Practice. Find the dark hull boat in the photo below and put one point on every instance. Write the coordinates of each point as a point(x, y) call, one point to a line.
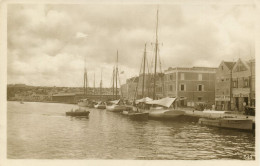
point(86, 113)
point(134, 113)
point(78, 112)
point(138, 115)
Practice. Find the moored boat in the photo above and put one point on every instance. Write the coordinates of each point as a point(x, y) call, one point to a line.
point(164, 108)
point(100, 105)
point(83, 103)
point(78, 112)
point(230, 122)
point(136, 113)
point(117, 106)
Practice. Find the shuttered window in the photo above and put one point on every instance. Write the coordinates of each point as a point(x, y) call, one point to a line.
point(182, 87)
point(200, 87)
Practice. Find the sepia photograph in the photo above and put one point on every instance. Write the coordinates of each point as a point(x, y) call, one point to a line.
point(130, 81)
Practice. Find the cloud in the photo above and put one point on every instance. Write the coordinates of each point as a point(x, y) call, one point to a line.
point(47, 44)
point(81, 35)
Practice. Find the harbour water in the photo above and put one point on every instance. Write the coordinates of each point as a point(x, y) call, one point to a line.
point(42, 131)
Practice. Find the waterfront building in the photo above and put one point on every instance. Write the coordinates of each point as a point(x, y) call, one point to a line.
point(129, 88)
point(223, 85)
point(190, 85)
point(148, 86)
point(243, 84)
point(132, 89)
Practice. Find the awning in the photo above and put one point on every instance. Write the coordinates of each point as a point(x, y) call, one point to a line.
point(166, 102)
point(143, 100)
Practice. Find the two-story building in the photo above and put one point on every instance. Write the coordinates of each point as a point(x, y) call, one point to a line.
point(223, 86)
point(190, 85)
point(243, 84)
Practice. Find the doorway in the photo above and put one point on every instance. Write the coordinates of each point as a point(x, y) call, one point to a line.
point(236, 103)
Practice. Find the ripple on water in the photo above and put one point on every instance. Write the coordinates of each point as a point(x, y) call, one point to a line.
point(42, 131)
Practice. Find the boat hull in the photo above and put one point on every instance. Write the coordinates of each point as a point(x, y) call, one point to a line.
point(83, 104)
point(138, 115)
point(165, 114)
point(125, 112)
point(81, 113)
point(116, 108)
point(232, 123)
point(100, 106)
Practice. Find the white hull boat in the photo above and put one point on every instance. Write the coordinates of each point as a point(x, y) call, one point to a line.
point(115, 108)
point(232, 123)
point(100, 105)
point(165, 113)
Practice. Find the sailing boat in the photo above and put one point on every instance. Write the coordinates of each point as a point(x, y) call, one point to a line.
point(91, 103)
point(100, 104)
point(137, 113)
point(84, 102)
point(117, 105)
point(162, 108)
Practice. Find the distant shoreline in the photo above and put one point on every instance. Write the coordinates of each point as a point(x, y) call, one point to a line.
point(40, 101)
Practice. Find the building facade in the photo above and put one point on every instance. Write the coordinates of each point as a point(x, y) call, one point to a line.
point(129, 88)
point(243, 84)
point(190, 85)
point(223, 86)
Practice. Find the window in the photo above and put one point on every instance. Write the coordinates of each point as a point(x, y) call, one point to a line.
point(171, 77)
point(170, 87)
point(199, 98)
point(222, 68)
point(200, 88)
point(246, 83)
point(159, 89)
point(234, 84)
point(200, 77)
point(182, 76)
point(182, 87)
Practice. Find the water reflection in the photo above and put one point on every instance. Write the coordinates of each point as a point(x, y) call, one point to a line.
point(42, 131)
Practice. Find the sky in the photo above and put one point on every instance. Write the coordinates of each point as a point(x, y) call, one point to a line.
point(49, 44)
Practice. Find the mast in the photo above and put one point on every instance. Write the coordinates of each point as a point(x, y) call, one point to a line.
point(84, 85)
point(113, 82)
point(101, 85)
point(144, 70)
point(116, 71)
point(94, 84)
point(85, 80)
point(156, 51)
